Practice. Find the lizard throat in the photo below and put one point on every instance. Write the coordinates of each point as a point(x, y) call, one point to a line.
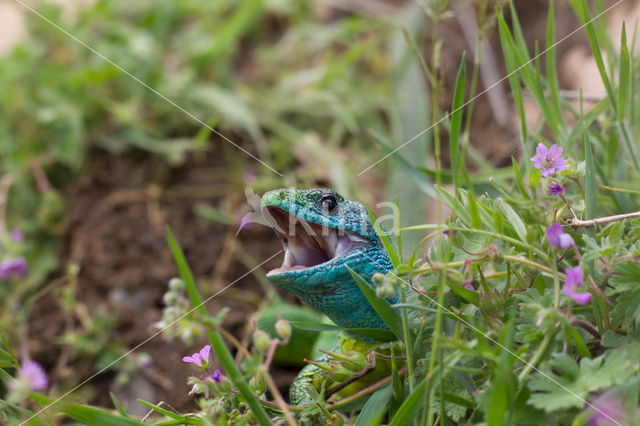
point(307, 244)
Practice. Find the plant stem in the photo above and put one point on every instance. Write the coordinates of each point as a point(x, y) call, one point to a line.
point(278, 397)
point(407, 339)
point(577, 223)
point(369, 389)
point(437, 330)
point(556, 284)
point(537, 356)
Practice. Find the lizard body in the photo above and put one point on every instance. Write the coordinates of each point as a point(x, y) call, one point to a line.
point(322, 232)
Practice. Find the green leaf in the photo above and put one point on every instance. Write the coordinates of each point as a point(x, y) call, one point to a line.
point(476, 222)
point(518, 179)
point(508, 49)
point(185, 273)
point(376, 406)
point(119, 406)
point(87, 414)
point(514, 219)
point(627, 277)
point(6, 359)
point(591, 194)
point(455, 152)
point(581, 347)
point(390, 316)
point(624, 76)
point(581, 9)
point(386, 241)
point(454, 204)
point(376, 333)
point(571, 388)
point(411, 406)
point(171, 414)
point(468, 295)
point(550, 56)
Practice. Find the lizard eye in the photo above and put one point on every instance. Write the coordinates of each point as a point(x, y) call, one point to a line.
point(328, 203)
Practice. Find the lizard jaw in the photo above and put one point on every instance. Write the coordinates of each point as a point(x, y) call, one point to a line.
point(307, 244)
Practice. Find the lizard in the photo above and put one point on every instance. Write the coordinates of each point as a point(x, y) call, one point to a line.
point(322, 232)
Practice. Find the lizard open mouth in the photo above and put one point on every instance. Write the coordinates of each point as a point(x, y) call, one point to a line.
point(307, 244)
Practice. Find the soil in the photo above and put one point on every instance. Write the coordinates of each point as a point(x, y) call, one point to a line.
point(115, 232)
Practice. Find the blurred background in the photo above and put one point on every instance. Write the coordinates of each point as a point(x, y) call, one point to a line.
point(94, 166)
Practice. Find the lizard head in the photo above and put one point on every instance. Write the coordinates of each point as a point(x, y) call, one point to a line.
point(321, 232)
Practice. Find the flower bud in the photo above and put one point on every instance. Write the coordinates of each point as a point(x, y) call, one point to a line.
point(257, 383)
point(338, 373)
point(261, 341)
point(283, 328)
point(454, 277)
point(378, 278)
point(386, 291)
point(336, 419)
point(176, 284)
point(491, 303)
point(170, 298)
point(355, 361)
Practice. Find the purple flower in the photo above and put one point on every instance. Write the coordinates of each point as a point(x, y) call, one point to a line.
point(556, 189)
point(16, 235)
point(606, 409)
point(558, 238)
point(15, 267)
point(248, 176)
point(200, 359)
point(548, 159)
point(216, 376)
point(574, 282)
point(34, 374)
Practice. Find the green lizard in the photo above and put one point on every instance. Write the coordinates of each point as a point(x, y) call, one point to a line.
point(321, 233)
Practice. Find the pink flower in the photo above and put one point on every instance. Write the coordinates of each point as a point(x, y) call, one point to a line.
point(548, 159)
point(606, 410)
point(34, 374)
point(574, 282)
point(200, 359)
point(557, 237)
point(216, 376)
point(15, 267)
point(16, 235)
point(555, 189)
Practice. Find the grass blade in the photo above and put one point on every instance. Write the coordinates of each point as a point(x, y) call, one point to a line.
point(386, 241)
point(411, 406)
point(375, 407)
point(119, 406)
point(216, 340)
point(513, 77)
point(552, 76)
point(171, 414)
point(582, 11)
point(591, 194)
point(455, 152)
point(624, 76)
point(390, 316)
point(375, 333)
point(514, 219)
point(87, 414)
